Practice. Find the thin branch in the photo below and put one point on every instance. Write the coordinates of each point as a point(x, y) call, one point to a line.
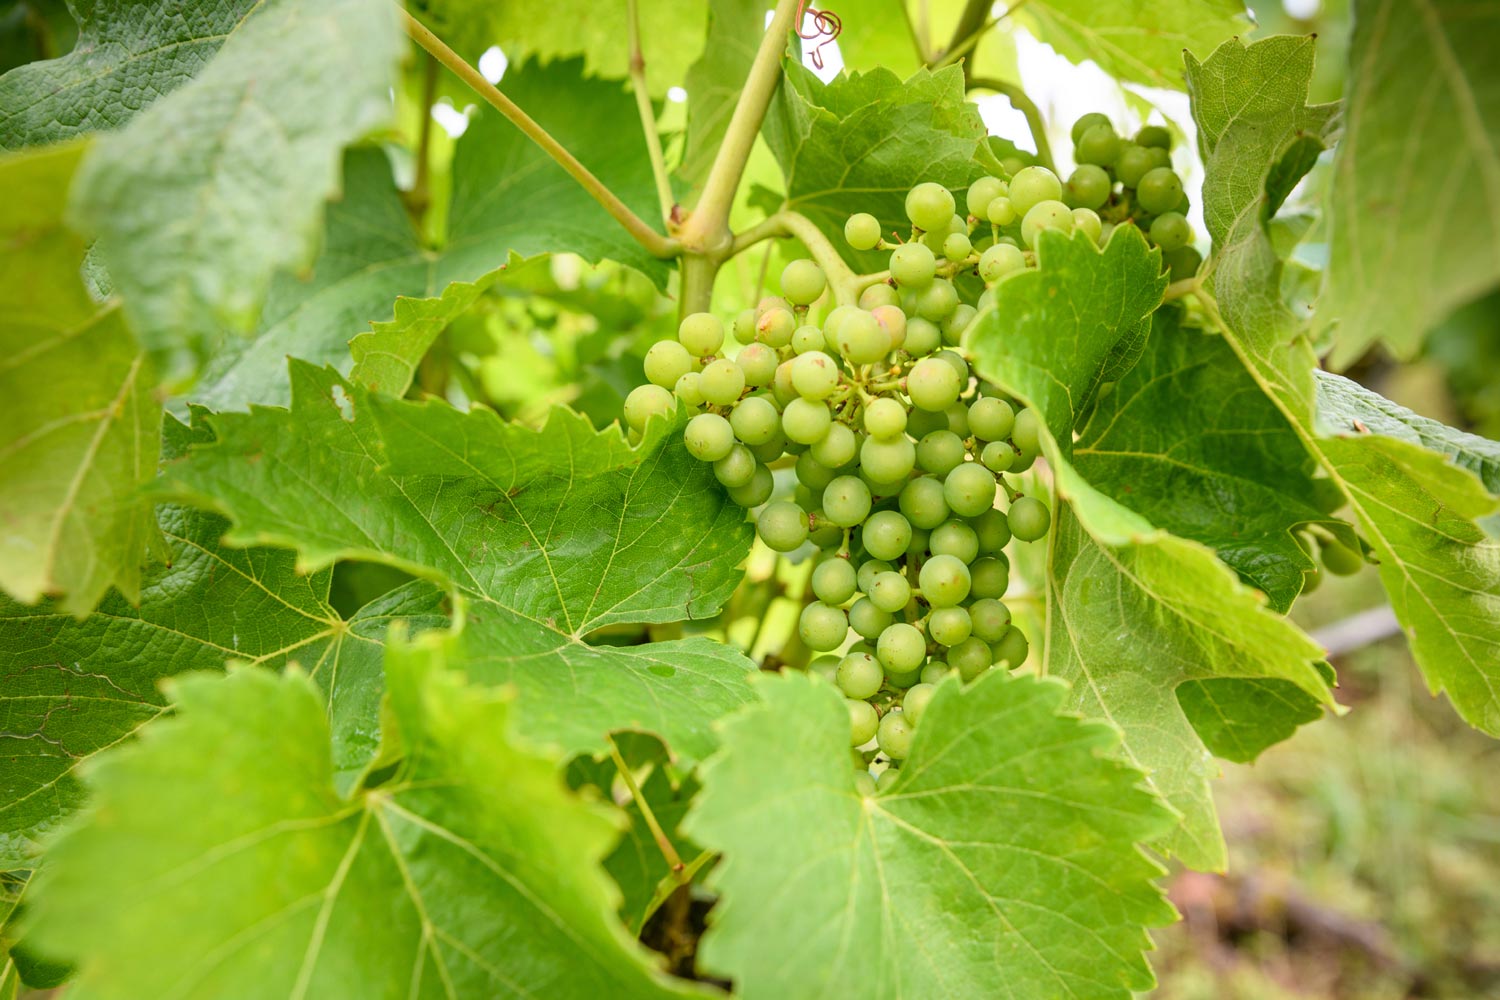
point(1182, 289)
point(1018, 99)
point(709, 222)
point(420, 195)
point(654, 242)
point(674, 860)
point(923, 56)
point(971, 21)
point(648, 116)
point(845, 283)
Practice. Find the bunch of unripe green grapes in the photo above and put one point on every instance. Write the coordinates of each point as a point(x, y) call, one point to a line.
point(894, 459)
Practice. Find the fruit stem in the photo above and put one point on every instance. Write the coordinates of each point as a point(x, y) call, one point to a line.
point(654, 242)
point(648, 116)
point(674, 861)
point(845, 284)
point(1024, 104)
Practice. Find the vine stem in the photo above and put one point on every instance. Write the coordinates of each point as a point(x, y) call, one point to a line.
point(707, 227)
point(420, 195)
point(654, 242)
point(1024, 104)
point(674, 860)
point(846, 284)
point(1182, 289)
point(648, 116)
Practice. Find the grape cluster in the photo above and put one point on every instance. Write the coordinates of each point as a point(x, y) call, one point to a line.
point(897, 450)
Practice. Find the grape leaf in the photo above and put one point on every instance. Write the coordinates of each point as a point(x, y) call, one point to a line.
point(223, 838)
point(1137, 40)
point(510, 200)
point(715, 79)
point(129, 53)
point(1003, 861)
point(78, 686)
point(1404, 252)
point(202, 196)
point(1051, 335)
point(78, 422)
point(855, 144)
point(545, 536)
point(637, 864)
point(1189, 441)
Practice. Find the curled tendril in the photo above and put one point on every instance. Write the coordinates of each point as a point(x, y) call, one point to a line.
point(826, 26)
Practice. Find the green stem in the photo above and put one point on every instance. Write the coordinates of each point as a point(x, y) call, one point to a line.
point(707, 228)
point(696, 274)
point(648, 116)
point(420, 195)
point(962, 44)
point(1021, 102)
point(845, 283)
point(674, 861)
point(654, 242)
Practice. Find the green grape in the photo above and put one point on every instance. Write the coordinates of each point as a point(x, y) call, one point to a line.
point(886, 534)
point(757, 491)
point(1029, 519)
point(960, 367)
point(913, 265)
point(915, 703)
point(1000, 260)
point(901, 647)
point(666, 362)
point(954, 538)
point(868, 571)
point(868, 620)
point(864, 784)
point(782, 526)
point(863, 722)
point(1086, 220)
point(1171, 231)
point(721, 382)
point(1001, 211)
point(1031, 187)
point(1088, 187)
point(744, 325)
point(971, 657)
point(922, 337)
point(944, 581)
point(813, 474)
point(885, 418)
point(708, 437)
point(949, 626)
point(825, 666)
point(880, 294)
point(1154, 136)
point(1340, 559)
point(822, 627)
point(990, 619)
point(880, 489)
point(837, 449)
point(1026, 434)
point(1133, 164)
point(981, 193)
point(991, 419)
point(846, 501)
point(1046, 215)
point(802, 281)
point(815, 375)
point(929, 206)
point(772, 449)
point(957, 323)
point(937, 301)
point(933, 384)
point(934, 672)
point(988, 577)
point(1182, 263)
point(805, 340)
point(956, 247)
point(755, 421)
point(1088, 121)
point(701, 333)
point(833, 322)
point(887, 460)
point(737, 468)
point(862, 231)
point(1012, 648)
point(833, 581)
point(940, 452)
point(689, 389)
point(969, 490)
point(1159, 157)
point(774, 329)
point(1159, 191)
point(893, 321)
point(1022, 463)
point(859, 675)
point(1099, 145)
point(894, 736)
point(805, 421)
point(769, 303)
point(645, 402)
point(922, 503)
point(992, 530)
point(758, 363)
point(890, 591)
point(861, 338)
point(1012, 165)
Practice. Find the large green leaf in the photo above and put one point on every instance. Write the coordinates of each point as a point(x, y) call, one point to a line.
point(858, 144)
point(219, 860)
point(205, 194)
point(74, 687)
point(129, 54)
point(1134, 612)
point(510, 200)
point(1002, 862)
point(1139, 40)
point(78, 422)
point(545, 536)
point(714, 81)
point(1414, 203)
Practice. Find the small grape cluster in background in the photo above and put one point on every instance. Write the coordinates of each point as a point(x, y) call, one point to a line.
point(899, 451)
